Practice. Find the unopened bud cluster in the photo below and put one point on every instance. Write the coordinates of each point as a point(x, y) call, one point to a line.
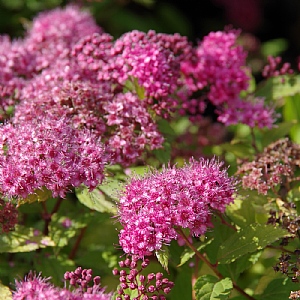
point(83, 280)
point(275, 68)
point(132, 281)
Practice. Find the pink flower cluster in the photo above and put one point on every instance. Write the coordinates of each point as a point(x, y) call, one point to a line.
point(53, 34)
point(219, 66)
point(35, 287)
point(68, 67)
point(146, 63)
point(153, 62)
point(218, 72)
point(152, 207)
point(48, 153)
point(252, 112)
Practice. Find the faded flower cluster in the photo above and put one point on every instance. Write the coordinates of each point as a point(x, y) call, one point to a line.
point(276, 165)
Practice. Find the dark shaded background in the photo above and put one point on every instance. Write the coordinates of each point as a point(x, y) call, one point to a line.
point(265, 19)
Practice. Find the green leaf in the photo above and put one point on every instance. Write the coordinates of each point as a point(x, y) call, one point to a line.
point(139, 170)
point(164, 154)
point(5, 293)
point(188, 253)
point(165, 127)
point(183, 285)
point(54, 267)
point(274, 47)
point(291, 112)
point(274, 134)
point(238, 149)
point(207, 287)
point(110, 187)
point(163, 257)
point(61, 233)
point(279, 87)
point(95, 200)
point(39, 195)
point(219, 234)
point(291, 108)
point(241, 212)
point(278, 289)
point(24, 239)
point(249, 239)
point(236, 268)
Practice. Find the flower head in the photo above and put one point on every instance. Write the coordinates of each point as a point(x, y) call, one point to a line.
point(35, 287)
point(48, 152)
point(251, 112)
point(218, 65)
point(152, 207)
point(217, 71)
point(54, 32)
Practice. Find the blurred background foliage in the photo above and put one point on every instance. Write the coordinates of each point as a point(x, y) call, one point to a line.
point(270, 27)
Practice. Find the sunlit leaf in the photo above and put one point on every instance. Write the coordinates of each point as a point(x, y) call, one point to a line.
point(5, 293)
point(278, 289)
point(95, 200)
point(279, 87)
point(249, 239)
point(24, 239)
point(274, 47)
point(163, 257)
point(39, 195)
point(208, 287)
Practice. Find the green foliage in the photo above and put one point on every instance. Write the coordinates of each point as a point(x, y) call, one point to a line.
point(208, 287)
point(5, 293)
point(249, 239)
point(163, 257)
point(96, 199)
point(277, 289)
point(24, 239)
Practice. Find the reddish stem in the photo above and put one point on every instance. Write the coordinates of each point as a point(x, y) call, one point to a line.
point(212, 267)
point(77, 243)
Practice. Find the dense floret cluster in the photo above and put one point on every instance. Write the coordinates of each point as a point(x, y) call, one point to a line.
point(35, 287)
point(152, 207)
point(48, 153)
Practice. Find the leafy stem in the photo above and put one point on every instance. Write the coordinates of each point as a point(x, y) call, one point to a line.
point(213, 267)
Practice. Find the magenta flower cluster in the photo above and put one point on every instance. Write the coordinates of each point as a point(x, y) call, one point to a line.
point(218, 71)
point(252, 112)
point(152, 207)
point(219, 66)
point(35, 287)
point(67, 66)
point(48, 153)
